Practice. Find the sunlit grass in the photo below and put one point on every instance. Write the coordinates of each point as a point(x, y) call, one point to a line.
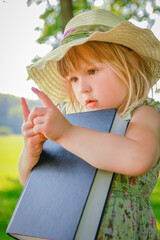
point(10, 148)
point(10, 188)
point(155, 203)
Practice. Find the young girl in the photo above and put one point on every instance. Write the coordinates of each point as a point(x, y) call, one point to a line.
point(103, 62)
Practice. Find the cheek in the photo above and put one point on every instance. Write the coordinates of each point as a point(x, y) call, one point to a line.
point(74, 94)
point(74, 88)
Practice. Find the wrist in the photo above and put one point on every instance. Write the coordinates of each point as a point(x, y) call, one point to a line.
point(65, 134)
point(29, 160)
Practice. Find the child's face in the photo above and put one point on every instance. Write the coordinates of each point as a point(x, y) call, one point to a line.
point(97, 87)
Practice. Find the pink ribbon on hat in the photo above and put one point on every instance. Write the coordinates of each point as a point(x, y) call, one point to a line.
point(82, 32)
point(66, 33)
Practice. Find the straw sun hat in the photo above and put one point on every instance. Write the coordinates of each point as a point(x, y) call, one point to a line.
point(94, 25)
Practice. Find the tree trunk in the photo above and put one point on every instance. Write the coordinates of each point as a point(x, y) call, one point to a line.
point(66, 11)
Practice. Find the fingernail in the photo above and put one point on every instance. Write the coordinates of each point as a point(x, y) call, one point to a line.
point(34, 89)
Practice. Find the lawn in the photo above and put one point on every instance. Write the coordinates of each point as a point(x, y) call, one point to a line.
point(10, 188)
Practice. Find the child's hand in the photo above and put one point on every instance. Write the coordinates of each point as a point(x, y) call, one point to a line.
point(33, 143)
point(48, 120)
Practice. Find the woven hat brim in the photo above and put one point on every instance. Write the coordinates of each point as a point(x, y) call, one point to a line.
point(140, 40)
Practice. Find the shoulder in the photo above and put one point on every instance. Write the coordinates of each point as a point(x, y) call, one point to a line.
point(144, 128)
point(147, 115)
point(146, 119)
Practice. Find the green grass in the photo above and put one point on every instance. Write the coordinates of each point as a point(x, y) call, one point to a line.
point(10, 188)
point(155, 203)
point(10, 148)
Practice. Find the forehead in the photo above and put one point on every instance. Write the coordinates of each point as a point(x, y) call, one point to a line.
point(83, 54)
point(88, 52)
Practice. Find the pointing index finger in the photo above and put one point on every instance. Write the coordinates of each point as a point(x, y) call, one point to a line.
point(43, 97)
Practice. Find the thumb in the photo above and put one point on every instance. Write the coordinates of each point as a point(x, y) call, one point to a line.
point(25, 109)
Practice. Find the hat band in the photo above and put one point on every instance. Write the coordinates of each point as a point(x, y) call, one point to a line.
point(82, 32)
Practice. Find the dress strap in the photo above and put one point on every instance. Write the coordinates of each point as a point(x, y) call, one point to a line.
point(146, 102)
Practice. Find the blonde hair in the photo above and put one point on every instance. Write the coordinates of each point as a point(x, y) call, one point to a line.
point(127, 64)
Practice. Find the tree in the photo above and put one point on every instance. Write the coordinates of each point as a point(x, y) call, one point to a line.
point(66, 12)
point(11, 113)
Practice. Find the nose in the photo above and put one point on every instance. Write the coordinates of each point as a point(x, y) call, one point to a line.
point(84, 85)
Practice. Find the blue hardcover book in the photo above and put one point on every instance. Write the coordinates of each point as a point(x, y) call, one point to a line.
point(64, 196)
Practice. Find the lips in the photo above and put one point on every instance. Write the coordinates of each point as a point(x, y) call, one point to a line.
point(91, 103)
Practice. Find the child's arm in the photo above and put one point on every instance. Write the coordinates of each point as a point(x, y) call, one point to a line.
point(132, 154)
point(33, 145)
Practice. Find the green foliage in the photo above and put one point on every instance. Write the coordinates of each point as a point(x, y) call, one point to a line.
point(11, 113)
point(8, 117)
point(81, 6)
point(158, 91)
point(5, 130)
point(29, 2)
point(132, 8)
point(52, 24)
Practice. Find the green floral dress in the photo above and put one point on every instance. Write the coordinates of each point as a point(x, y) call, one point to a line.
point(128, 214)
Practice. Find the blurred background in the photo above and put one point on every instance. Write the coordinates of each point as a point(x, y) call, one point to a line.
point(29, 30)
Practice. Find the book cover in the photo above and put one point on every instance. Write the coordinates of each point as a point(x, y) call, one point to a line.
point(60, 187)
